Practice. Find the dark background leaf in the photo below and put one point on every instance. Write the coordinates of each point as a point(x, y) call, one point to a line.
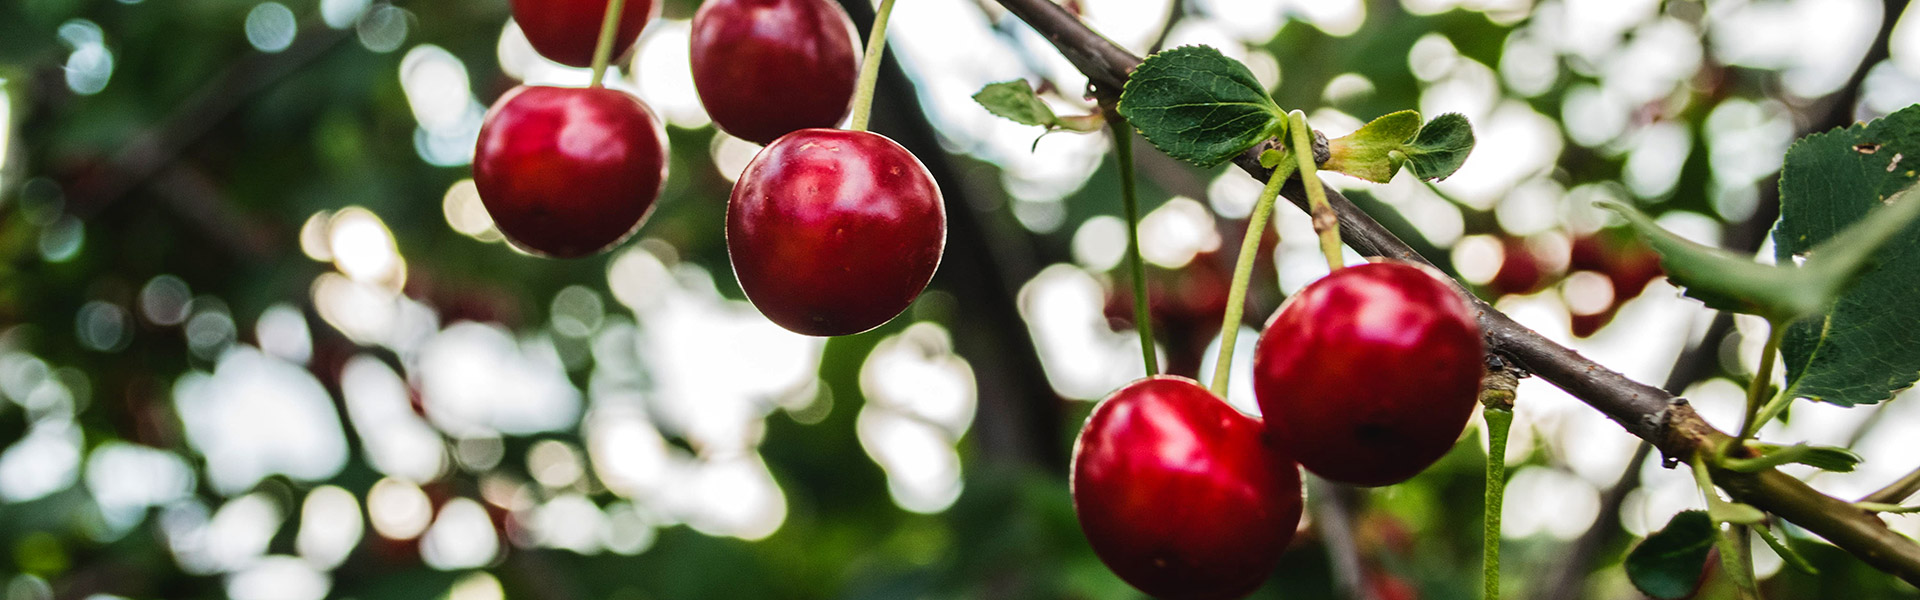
point(1667, 565)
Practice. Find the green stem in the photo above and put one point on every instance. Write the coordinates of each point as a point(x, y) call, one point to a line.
point(1757, 389)
point(870, 67)
point(1499, 420)
point(603, 50)
point(1242, 273)
point(1130, 203)
point(1325, 222)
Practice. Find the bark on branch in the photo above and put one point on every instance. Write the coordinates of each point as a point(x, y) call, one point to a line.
point(1643, 410)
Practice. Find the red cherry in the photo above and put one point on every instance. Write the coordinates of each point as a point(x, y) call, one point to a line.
point(833, 232)
point(568, 172)
point(566, 31)
point(1368, 375)
point(1520, 270)
point(765, 68)
point(1181, 495)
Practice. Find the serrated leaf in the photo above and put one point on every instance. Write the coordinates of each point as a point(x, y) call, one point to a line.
point(1440, 147)
point(1826, 458)
point(1668, 563)
point(1721, 279)
point(1199, 106)
point(1856, 352)
point(1375, 151)
point(1786, 552)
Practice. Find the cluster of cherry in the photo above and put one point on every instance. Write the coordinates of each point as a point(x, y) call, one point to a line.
point(830, 231)
point(1366, 376)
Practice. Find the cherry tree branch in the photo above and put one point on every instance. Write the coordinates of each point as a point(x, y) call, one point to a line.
point(1643, 410)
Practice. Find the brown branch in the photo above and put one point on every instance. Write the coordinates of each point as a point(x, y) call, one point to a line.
point(1643, 410)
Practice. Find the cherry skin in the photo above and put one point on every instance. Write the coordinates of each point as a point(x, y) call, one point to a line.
point(1180, 494)
point(568, 172)
point(1369, 375)
point(765, 68)
point(566, 31)
point(834, 232)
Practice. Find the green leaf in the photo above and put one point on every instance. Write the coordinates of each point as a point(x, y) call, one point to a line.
point(1826, 458)
point(1376, 151)
point(1852, 354)
point(1199, 106)
point(1722, 279)
point(1016, 101)
point(1786, 551)
point(1441, 147)
point(1668, 564)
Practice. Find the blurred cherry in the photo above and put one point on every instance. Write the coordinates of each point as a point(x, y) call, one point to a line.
point(566, 31)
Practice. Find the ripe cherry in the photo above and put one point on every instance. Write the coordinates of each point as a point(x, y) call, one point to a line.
point(765, 68)
point(1368, 375)
point(1181, 495)
point(833, 232)
point(565, 31)
point(567, 172)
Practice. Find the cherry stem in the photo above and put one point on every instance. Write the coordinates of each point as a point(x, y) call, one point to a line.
point(603, 50)
point(1142, 318)
point(1499, 420)
point(1325, 222)
point(870, 67)
point(1242, 272)
point(1757, 389)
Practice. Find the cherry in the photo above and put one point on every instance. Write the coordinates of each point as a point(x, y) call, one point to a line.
point(834, 232)
point(1181, 495)
point(1368, 375)
point(567, 172)
point(1521, 271)
point(565, 31)
point(765, 68)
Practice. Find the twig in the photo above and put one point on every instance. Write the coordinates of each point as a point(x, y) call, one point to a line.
point(1334, 511)
point(1897, 491)
point(1643, 410)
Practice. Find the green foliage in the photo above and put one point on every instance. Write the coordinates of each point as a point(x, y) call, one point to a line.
point(1199, 106)
point(1376, 151)
point(1782, 293)
point(1825, 458)
point(1667, 565)
point(1832, 185)
point(1368, 153)
point(1441, 147)
point(1785, 550)
point(1016, 101)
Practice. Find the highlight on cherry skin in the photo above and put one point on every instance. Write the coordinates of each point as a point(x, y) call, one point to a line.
point(1181, 495)
point(1369, 375)
point(569, 172)
point(834, 232)
point(766, 68)
point(566, 31)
